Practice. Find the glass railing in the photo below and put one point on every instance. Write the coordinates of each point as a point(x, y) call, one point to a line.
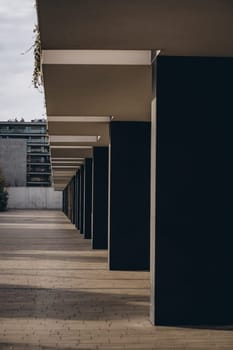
point(32, 162)
point(39, 170)
point(38, 141)
point(38, 151)
point(20, 131)
point(38, 179)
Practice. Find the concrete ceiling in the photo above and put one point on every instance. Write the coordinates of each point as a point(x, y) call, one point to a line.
point(177, 27)
point(80, 129)
point(71, 153)
point(124, 92)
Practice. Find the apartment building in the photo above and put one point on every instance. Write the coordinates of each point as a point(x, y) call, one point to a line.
point(37, 162)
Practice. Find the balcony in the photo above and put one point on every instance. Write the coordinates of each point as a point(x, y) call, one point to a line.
point(21, 131)
point(38, 152)
point(39, 183)
point(33, 162)
point(39, 172)
point(37, 141)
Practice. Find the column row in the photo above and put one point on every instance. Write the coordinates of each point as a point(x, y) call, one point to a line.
point(109, 198)
point(186, 202)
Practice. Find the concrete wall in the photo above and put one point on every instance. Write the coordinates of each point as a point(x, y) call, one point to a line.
point(34, 198)
point(13, 161)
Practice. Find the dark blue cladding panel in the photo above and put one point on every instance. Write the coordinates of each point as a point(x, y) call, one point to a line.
point(130, 196)
point(194, 226)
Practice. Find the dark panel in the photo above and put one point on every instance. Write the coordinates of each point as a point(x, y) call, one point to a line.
point(129, 196)
point(73, 199)
point(65, 202)
point(81, 212)
point(78, 199)
point(194, 225)
point(100, 198)
point(69, 201)
point(88, 197)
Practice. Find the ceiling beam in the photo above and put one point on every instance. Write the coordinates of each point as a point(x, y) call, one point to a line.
point(70, 147)
point(79, 119)
point(73, 138)
point(97, 57)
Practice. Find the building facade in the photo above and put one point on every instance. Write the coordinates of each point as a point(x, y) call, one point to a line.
point(37, 162)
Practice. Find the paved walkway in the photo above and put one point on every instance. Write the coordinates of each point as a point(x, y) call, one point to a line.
point(56, 293)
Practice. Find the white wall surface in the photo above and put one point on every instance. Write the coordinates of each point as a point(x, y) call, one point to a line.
point(34, 198)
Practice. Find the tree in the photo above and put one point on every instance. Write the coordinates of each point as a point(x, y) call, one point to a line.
point(3, 193)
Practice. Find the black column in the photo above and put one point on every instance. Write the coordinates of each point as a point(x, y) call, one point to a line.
point(64, 201)
point(73, 199)
point(194, 225)
point(87, 197)
point(81, 200)
point(100, 198)
point(129, 234)
point(65, 196)
point(77, 198)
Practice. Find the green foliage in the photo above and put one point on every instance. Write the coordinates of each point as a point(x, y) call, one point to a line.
point(3, 193)
point(37, 75)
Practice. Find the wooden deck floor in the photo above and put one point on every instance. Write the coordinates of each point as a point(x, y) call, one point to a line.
point(56, 293)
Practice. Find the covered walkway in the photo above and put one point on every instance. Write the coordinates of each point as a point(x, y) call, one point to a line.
point(57, 293)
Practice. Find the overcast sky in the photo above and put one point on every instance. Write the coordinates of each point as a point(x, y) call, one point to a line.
point(18, 97)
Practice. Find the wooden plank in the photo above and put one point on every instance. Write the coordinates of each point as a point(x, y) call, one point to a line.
point(56, 293)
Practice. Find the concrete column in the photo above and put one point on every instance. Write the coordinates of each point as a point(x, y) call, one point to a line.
point(87, 198)
point(100, 198)
point(81, 200)
point(129, 200)
point(193, 238)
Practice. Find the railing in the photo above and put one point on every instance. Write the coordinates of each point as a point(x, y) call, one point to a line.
point(39, 182)
point(38, 152)
point(37, 179)
point(42, 172)
point(39, 166)
point(36, 141)
point(20, 131)
point(34, 162)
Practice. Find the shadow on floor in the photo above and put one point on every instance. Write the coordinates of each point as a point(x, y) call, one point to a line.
point(18, 301)
point(20, 346)
point(46, 256)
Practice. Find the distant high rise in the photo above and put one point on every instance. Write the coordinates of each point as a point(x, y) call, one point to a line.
point(37, 155)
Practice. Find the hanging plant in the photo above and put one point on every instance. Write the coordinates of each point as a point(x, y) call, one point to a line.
point(37, 74)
